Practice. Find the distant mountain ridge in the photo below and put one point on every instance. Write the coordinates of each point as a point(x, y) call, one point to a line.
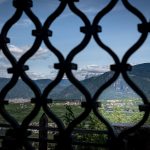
point(21, 90)
point(140, 75)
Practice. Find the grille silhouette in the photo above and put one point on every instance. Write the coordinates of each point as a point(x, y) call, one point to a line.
point(17, 136)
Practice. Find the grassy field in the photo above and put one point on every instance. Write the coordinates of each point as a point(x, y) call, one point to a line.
point(20, 111)
point(115, 111)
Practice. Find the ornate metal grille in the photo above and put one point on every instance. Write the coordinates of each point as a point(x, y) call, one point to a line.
point(65, 66)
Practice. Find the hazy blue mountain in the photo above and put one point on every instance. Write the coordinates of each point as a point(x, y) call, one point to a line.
point(141, 70)
point(21, 90)
point(140, 75)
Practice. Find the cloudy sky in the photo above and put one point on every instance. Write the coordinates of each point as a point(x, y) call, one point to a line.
point(119, 33)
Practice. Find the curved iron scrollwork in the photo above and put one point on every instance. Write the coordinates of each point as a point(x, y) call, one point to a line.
point(19, 133)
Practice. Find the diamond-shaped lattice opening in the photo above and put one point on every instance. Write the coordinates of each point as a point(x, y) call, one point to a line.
point(20, 37)
point(123, 23)
point(66, 105)
point(62, 29)
point(120, 104)
point(93, 68)
point(41, 67)
point(49, 8)
point(19, 101)
point(140, 73)
point(91, 9)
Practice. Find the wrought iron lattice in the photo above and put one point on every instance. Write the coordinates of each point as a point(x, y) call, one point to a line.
point(65, 66)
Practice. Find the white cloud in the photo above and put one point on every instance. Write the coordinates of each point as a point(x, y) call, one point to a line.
point(35, 75)
point(24, 22)
point(51, 74)
point(90, 71)
point(82, 73)
point(95, 69)
point(19, 51)
point(15, 49)
point(91, 10)
point(43, 53)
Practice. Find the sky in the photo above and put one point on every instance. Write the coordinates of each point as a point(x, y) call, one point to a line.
point(119, 31)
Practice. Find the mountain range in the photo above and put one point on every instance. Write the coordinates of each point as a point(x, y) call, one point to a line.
point(140, 75)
